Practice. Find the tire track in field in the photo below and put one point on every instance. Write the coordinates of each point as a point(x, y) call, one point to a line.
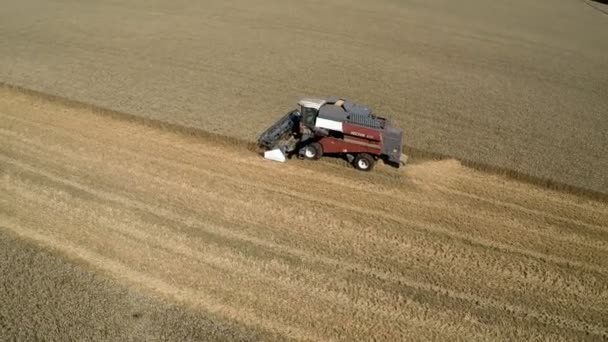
point(514, 309)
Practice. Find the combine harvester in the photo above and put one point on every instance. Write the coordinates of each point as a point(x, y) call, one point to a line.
point(336, 127)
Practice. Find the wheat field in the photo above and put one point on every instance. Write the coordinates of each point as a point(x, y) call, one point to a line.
point(515, 84)
point(304, 250)
point(137, 210)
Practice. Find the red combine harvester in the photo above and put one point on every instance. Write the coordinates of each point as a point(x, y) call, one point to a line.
point(334, 126)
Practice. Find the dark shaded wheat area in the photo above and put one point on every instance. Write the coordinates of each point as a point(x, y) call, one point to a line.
point(46, 297)
point(247, 248)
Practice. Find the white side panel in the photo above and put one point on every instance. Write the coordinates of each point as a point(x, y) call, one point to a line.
point(329, 124)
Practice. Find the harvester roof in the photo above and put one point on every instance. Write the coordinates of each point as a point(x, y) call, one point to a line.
point(309, 102)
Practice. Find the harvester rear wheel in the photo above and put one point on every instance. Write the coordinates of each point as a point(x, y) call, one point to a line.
point(313, 151)
point(364, 162)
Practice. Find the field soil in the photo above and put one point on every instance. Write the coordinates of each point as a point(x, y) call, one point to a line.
point(516, 84)
point(301, 250)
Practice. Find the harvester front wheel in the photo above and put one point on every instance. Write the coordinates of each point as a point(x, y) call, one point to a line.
point(364, 162)
point(313, 151)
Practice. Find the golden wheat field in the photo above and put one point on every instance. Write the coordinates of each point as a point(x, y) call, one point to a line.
point(251, 249)
point(133, 207)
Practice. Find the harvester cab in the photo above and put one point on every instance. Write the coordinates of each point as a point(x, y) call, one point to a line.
point(334, 126)
point(309, 109)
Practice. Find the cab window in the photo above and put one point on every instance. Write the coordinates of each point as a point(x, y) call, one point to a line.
point(308, 116)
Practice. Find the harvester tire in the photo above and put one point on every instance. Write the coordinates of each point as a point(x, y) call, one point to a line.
point(313, 151)
point(364, 162)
